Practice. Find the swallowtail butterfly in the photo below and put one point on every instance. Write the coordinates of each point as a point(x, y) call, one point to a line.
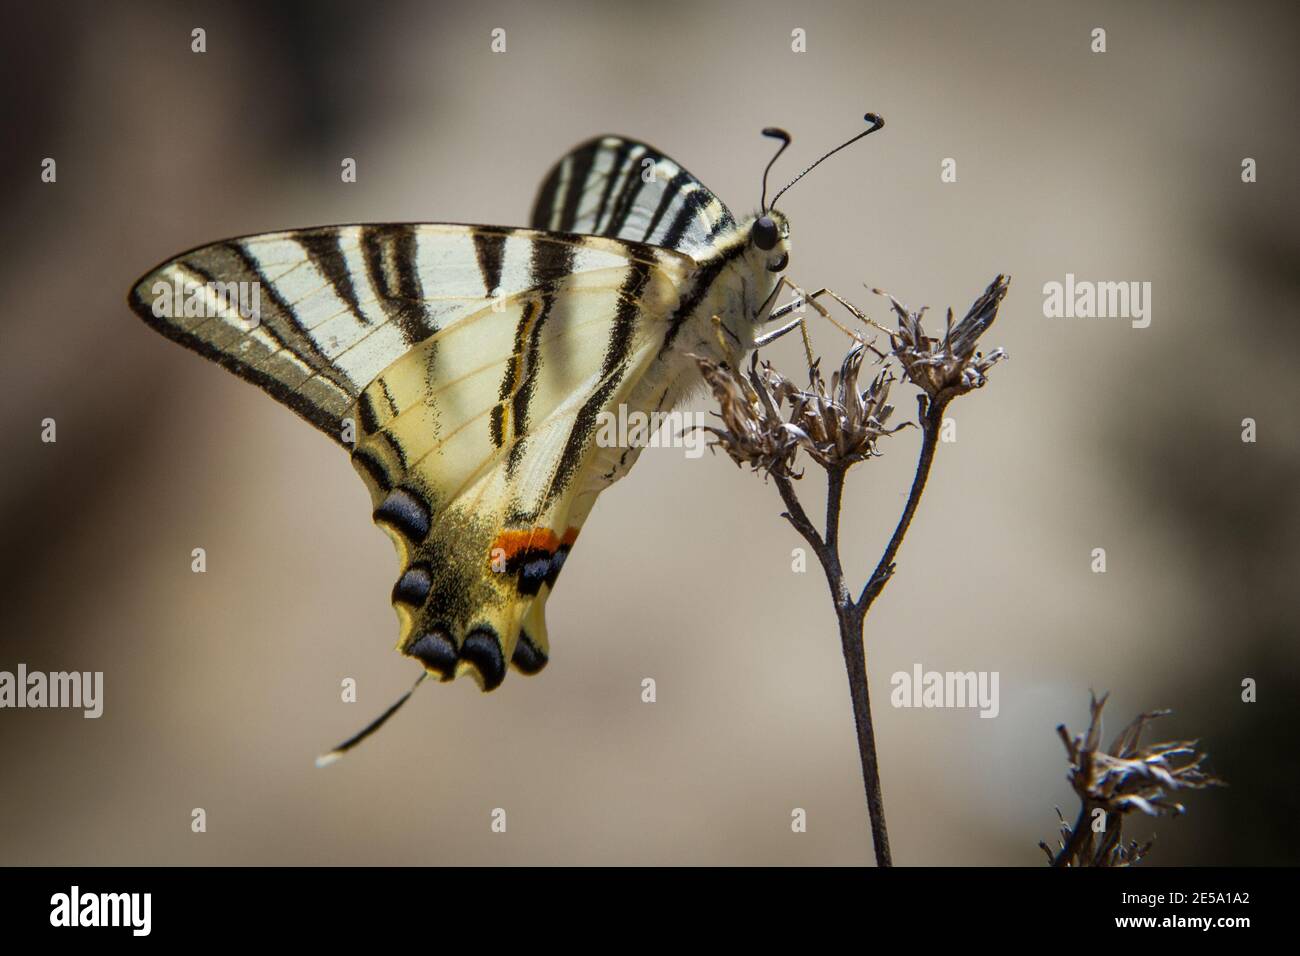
point(464, 368)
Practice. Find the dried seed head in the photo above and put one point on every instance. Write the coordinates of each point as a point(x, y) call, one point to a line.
point(947, 367)
point(1127, 777)
point(753, 431)
point(767, 419)
point(840, 425)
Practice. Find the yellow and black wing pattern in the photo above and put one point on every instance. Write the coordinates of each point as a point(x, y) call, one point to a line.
point(625, 189)
point(465, 368)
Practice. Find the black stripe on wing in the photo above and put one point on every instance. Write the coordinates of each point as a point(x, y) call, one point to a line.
point(275, 352)
point(606, 187)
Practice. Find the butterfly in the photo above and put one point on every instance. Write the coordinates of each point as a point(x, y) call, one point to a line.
point(465, 367)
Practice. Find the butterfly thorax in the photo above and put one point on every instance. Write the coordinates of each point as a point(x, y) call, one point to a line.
point(734, 291)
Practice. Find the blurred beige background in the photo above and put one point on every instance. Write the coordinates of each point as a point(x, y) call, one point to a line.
point(222, 687)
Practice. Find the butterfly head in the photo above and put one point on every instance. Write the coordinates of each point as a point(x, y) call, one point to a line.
point(769, 232)
point(769, 241)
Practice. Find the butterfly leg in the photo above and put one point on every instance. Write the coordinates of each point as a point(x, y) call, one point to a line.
point(797, 304)
point(768, 337)
point(806, 298)
point(810, 298)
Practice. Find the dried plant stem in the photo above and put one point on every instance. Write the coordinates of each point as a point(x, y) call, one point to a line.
point(1078, 835)
point(931, 422)
point(768, 422)
point(851, 615)
point(855, 664)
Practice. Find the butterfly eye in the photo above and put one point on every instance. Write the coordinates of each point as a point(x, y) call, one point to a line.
point(780, 264)
point(764, 233)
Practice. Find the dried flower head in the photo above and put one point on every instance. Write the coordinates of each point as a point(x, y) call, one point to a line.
point(839, 425)
point(1124, 778)
point(947, 367)
point(754, 432)
point(767, 419)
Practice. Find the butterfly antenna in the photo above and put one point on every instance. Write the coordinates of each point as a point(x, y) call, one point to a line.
point(872, 118)
point(784, 137)
point(326, 759)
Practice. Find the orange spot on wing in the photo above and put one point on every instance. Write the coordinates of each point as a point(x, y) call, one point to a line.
point(515, 541)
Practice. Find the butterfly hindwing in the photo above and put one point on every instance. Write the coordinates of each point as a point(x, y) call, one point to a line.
point(483, 476)
point(625, 189)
